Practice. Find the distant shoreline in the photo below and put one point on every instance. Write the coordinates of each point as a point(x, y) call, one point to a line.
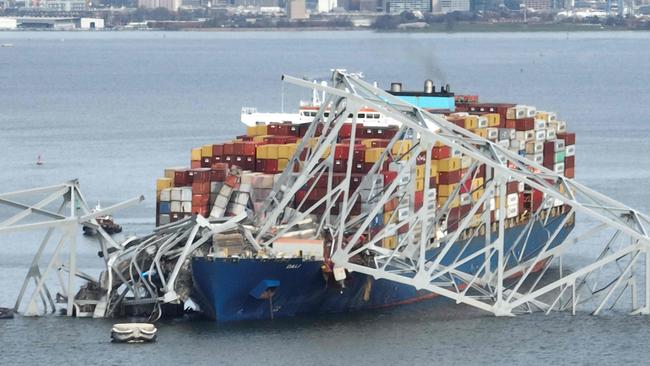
point(433, 28)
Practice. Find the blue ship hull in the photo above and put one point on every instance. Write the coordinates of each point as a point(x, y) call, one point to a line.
point(234, 289)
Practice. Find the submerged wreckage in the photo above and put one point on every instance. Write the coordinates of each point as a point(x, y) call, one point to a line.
point(367, 198)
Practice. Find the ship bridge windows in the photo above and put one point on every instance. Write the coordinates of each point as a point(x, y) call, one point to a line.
point(361, 115)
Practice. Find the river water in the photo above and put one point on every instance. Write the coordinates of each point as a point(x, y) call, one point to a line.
point(114, 109)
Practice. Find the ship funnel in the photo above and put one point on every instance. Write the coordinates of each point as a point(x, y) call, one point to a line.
point(448, 88)
point(396, 87)
point(428, 86)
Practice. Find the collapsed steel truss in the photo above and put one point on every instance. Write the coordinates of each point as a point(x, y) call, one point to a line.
point(609, 258)
point(427, 260)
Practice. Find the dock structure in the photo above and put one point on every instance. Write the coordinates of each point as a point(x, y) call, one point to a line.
point(610, 238)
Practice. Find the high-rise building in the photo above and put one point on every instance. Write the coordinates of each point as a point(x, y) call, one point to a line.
point(537, 4)
point(57, 5)
point(325, 6)
point(399, 6)
point(448, 6)
point(171, 5)
point(296, 10)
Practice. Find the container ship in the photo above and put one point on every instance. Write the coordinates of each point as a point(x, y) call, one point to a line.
point(294, 274)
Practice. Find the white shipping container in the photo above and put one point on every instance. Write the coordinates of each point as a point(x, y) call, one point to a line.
point(221, 202)
point(550, 134)
point(186, 206)
point(540, 135)
point(402, 214)
point(559, 145)
point(242, 198)
point(455, 152)
point(245, 188)
point(559, 126)
point(166, 195)
point(507, 133)
point(530, 111)
point(518, 145)
point(482, 122)
point(536, 147)
point(175, 206)
point(175, 194)
point(525, 135)
point(518, 111)
point(520, 187)
point(512, 211)
point(512, 199)
point(186, 194)
point(540, 124)
point(559, 168)
point(570, 150)
point(504, 143)
point(492, 133)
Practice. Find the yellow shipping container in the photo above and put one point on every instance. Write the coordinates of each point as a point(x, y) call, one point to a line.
point(401, 147)
point(446, 189)
point(387, 218)
point(481, 132)
point(261, 130)
point(196, 153)
point(260, 138)
point(286, 151)
point(261, 151)
point(477, 183)
point(272, 151)
point(452, 204)
point(419, 171)
point(390, 242)
point(162, 183)
point(439, 144)
point(471, 122)
point(282, 163)
point(251, 131)
point(494, 119)
point(373, 154)
point(419, 184)
point(448, 165)
point(477, 194)
point(434, 168)
point(206, 151)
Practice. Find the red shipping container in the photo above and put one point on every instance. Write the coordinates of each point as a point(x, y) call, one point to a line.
point(231, 181)
point(206, 162)
point(355, 181)
point(201, 188)
point(512, 187)
point(270, 166)
point(569, 162)
point(182, 178)
point(200, 200)
point(195, 164)
point(389, 177)
point(229, 148)
point(570, 173)
point(449, 177)
point(217, 149)
point(228, 159)
point(466, 186)
point(340, 166)
point(203, 211)
point(568, 137)
point(379, 143)
point(200, 175)
point(341, 151)
point(509, 123)
point(439, 153)
point(215, 160)
point(218, 175)
point(524, 124)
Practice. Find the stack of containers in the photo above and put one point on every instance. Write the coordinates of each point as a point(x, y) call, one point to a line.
point(263, 153)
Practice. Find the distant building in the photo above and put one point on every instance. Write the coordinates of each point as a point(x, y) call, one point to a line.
point(537, 4)
point(57, 5)
point(91, 23)
point(171, 5)
point(399, 6)
point(448, 6)
point(368, 5)
point(8, 23)
point(325, 6)
point(296, 10)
